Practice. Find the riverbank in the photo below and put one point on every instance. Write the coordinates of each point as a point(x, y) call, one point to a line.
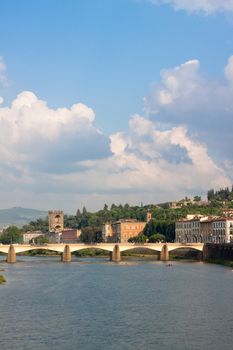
point(228, 263)
point(2, 279)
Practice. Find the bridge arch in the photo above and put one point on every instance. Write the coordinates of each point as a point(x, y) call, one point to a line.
point(97, 250)
point(144, 251)
point(186, 252)
point(186, 246)
point(89, 247)
point(143, 248)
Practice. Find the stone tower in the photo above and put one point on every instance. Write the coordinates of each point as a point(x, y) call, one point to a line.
point(56, 220)
point(148, 216)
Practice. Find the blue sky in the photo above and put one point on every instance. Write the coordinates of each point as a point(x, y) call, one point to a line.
point(132, 62)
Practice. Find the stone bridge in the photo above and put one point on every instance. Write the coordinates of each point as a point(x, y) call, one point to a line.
point(115, 249)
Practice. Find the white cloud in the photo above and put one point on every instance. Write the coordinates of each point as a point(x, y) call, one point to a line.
point(207, 6)
point(3, 78)
point(229, 70)
point(43, 139)
point(51, 156)
point(59, 155)
point(185, 96)
point(149, 165)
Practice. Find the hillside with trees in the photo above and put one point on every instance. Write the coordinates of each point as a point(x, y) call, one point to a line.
point(162, 225)
point(163, 219)
point(222, 195)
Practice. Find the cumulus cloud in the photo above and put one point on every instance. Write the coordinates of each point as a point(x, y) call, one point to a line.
point(151, 164)
point(59, 155)
point(207, 6)
point(36, 137)
point(185, 96)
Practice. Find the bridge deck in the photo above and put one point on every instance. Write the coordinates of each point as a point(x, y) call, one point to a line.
point(59, 247)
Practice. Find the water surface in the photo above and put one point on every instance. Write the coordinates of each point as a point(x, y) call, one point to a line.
point(93, 304)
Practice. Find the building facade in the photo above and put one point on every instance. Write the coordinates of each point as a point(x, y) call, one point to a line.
point(211, 229)
point(107, 232)
point(122, 230)
point(70, 236)
point(31, 235)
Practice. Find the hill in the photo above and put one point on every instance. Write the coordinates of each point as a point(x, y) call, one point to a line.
point(19, 216)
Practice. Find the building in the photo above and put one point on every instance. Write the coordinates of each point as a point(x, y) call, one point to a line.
point(222, 230)
point(107, 232)
point(122, 230)
point(31, 235)
point(188, 230)
point(70, 236)
point(148, 216)
point(56, 220)
point(228, 212)
point(182, 203)
point(211, 229)
point(55, 237)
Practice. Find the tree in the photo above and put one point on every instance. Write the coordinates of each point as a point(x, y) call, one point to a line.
point(84, 211)
point(164, 227)
point(38, 225)
point(210, 194)
point(91, 234)
point(40, 240)
point(70, 221)
point(138, 239)
point(78, 214)
point(11, 235)
point(157, 237)
point(197, 198)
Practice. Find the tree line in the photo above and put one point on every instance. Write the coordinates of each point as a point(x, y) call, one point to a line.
point(224, 194)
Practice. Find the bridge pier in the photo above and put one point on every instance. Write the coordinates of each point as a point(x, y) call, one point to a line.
point(116, 254)
point(164, 254)
point(66, 255)
point(206, 253)
point(11, 256)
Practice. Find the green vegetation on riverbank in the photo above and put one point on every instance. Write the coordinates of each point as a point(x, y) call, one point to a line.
point(228, 263)
point(39, 252)
point(91, 253)
point(2, 279)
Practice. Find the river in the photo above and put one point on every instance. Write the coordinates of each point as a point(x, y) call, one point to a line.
point(93, 304)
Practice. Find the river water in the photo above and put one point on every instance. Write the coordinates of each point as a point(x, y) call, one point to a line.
point(93, 304)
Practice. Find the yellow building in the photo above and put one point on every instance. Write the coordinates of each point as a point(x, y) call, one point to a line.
point(122, 230)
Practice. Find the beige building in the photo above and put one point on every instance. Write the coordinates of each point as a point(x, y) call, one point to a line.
point(107, 232)
point(212, 229)
point(188, 230)
point(122, 230)
point(228, 212)
point(31, 235)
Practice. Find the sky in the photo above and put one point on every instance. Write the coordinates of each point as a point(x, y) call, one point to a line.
point(114, 101)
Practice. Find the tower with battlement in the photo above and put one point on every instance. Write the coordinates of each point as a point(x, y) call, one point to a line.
point(56, 220)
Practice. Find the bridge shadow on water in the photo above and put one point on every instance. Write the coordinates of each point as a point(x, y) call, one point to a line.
point(185, 254)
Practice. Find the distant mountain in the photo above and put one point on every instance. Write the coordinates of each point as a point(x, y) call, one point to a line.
point(19, 216)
